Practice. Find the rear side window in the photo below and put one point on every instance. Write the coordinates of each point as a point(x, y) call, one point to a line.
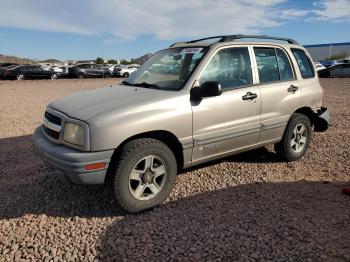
point(273, 65)
point(267, 64)
point(230, 67)
point(286, 72)
point(304, 63)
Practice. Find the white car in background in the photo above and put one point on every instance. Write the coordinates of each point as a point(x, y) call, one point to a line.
point(319, 66)
point(110, 67)
point(125, 71)
point(56, 69)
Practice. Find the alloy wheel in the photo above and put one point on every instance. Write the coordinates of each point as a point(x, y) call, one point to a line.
point(299, 138)
point(147, 178)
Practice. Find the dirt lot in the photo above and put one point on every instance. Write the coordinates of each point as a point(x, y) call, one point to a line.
point(245, 207)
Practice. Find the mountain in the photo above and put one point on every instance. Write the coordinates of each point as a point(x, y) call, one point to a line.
point(50, 61)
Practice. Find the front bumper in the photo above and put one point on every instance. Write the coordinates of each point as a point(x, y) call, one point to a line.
point(69, 163)
point(322, 120)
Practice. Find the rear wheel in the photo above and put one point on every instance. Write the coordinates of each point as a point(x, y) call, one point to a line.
point(54, 76)
point(145, 174)
point(107, 75)
point(296, 138)
point(20, 76)
point(81, 76)
point(126, 75)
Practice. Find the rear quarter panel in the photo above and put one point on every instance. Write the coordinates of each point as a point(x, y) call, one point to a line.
point(312, 92)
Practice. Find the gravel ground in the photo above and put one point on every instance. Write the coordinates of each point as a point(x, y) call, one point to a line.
point(246, 207)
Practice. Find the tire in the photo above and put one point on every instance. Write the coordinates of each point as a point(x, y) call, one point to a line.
point(20, 76)
point(126, 75)
point(81, 76)
point(54, 76)
point(107, 75)
point(296, 138)
point(134, 184)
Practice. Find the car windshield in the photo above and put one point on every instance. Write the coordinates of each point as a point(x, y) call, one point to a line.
point(167, 69)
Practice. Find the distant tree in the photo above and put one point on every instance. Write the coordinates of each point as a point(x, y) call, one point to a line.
point(112, 61)
point(125, 62)
point(133, 61)
point(99, 60)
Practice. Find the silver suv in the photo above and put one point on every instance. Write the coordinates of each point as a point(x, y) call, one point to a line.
point(188, 104)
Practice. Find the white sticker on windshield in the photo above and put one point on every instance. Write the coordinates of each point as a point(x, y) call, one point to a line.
point(192, 50)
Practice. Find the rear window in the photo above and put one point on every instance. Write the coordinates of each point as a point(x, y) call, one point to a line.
point(304, 63)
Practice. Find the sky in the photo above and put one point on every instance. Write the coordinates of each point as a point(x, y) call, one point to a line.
point(86, 29)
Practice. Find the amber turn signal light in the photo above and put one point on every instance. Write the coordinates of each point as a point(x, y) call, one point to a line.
point(95, 166)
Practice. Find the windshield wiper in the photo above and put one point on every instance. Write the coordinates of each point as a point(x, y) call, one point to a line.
point(148, 85)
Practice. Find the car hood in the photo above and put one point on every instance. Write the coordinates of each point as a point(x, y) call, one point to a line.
point(88, 104)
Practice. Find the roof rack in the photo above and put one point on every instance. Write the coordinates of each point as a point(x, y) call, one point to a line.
point(230, 38)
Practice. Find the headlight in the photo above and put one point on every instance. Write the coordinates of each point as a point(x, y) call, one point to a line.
point(74, 134)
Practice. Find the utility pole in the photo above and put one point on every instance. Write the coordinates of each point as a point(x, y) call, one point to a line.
point(330, 52)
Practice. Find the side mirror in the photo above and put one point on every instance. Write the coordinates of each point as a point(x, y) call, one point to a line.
point(207, 89)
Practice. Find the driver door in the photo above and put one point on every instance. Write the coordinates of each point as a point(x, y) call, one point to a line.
point(229, 122)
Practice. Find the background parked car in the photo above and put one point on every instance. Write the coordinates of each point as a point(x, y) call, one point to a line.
point(89, 70)
point(125, 71)
point(110, 67)
point(328, 63)
point(339, 70)
point(3, 66)
point(22, 72)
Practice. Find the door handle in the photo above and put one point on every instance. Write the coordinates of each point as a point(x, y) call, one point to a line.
point(249, 96)
point(292, 89)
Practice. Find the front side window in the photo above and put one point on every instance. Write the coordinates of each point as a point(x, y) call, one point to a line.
point(267, 64)
point(304, 63)
point(168, 69)
point(230, 67)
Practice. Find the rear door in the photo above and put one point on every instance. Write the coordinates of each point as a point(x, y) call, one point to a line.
point(346, 68)
point(29, 71)
point(37, 72)
point(336, 71)
point(280, 92)
point(89, 70)
point(231, 121)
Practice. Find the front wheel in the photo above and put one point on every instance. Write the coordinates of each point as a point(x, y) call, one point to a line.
point(296, 138)
point(145, 175)
point(126, 75)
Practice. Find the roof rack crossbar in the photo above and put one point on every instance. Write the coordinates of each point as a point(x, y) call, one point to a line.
point(230, 38)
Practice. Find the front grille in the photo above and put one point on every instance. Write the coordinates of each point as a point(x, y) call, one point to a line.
point(53, 119)
point(52, 125)
point(51, 133)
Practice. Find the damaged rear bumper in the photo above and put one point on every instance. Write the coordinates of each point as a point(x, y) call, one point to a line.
point(322, 119)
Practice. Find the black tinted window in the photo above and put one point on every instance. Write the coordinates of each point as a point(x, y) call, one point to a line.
point(304, 63)
point(267, 64)
point(230, 67)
